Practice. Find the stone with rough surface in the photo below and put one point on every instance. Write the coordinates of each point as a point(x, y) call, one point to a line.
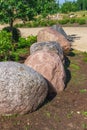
point(49, 34)
point(47, 46)
point(22, 89)
point(50, 66)
point(59, 29)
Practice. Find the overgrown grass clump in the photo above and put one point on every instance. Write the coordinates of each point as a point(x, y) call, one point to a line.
point(12, 50)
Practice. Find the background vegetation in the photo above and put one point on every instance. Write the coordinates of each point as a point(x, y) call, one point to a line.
point(34, 13)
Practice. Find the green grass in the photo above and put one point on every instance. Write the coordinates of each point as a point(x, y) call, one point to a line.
point(83, 90)
point(19, 52)
point(85, 57)
point(84, 113)
point(74, 66)
point(22, 51)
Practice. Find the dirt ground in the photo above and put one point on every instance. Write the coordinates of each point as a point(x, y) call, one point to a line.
point(66, 111)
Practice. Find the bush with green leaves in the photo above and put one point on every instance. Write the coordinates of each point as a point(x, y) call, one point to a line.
point(81, 21)
point(38, 23)
point(63, 21)
point(5, 45)
point(72, 20)
point(26, 42)
point(15, 33)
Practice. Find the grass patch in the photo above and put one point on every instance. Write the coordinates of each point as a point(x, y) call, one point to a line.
point(85, 57)
point(84, 113)
point(83, 90)
point(19, 52)
point(74, 66)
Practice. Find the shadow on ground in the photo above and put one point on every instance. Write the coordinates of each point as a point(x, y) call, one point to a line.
point(66, 66)
point(74, 37)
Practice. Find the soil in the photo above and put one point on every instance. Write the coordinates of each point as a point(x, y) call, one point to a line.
point(66, 111)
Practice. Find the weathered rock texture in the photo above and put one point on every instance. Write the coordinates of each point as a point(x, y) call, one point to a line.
point(59, 29)
point(47, 46)
point(22, 89)
point(49, 34)
point(50, 66)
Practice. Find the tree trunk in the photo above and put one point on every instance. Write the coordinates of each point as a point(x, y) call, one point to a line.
point(11, 29)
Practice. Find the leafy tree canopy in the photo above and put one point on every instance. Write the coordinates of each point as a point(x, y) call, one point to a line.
point(12, 9)
point(69, 6)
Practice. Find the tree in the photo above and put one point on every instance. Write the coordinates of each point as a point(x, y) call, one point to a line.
point(82, 4)
point(46, 7)
point(68, 7)
point(12, 9)
point(25, 9)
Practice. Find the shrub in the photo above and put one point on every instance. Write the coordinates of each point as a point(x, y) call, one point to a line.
point(26, 42)
point(81, 21)
point(5, 44)
point(15, 33)
point(31, 39)
point(22, 42)
point(63, 21)
point(72, 20)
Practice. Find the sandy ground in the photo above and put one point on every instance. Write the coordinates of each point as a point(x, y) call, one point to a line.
point(79, 35)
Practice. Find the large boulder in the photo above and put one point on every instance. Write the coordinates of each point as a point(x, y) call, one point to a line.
point(51, 67)
point(22, 89)
point(49, 34)
point(47, 46)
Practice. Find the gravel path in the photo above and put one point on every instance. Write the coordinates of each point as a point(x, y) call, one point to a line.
point(79, 35)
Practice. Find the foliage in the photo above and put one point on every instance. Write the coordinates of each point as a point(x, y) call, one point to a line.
point(75, 67)
point(15, 33)
point(68, 7)
point(82, 4)
point(81, 21)
point(72, 20)
point(46, 7)
point(85, 57)
point(8, 51)
point(26, 42)
point(16, 55)
point(38, 23)
point(46, 22)
point(25, 9)
point(63, 21)
point(12, 9)
point(5, 44)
